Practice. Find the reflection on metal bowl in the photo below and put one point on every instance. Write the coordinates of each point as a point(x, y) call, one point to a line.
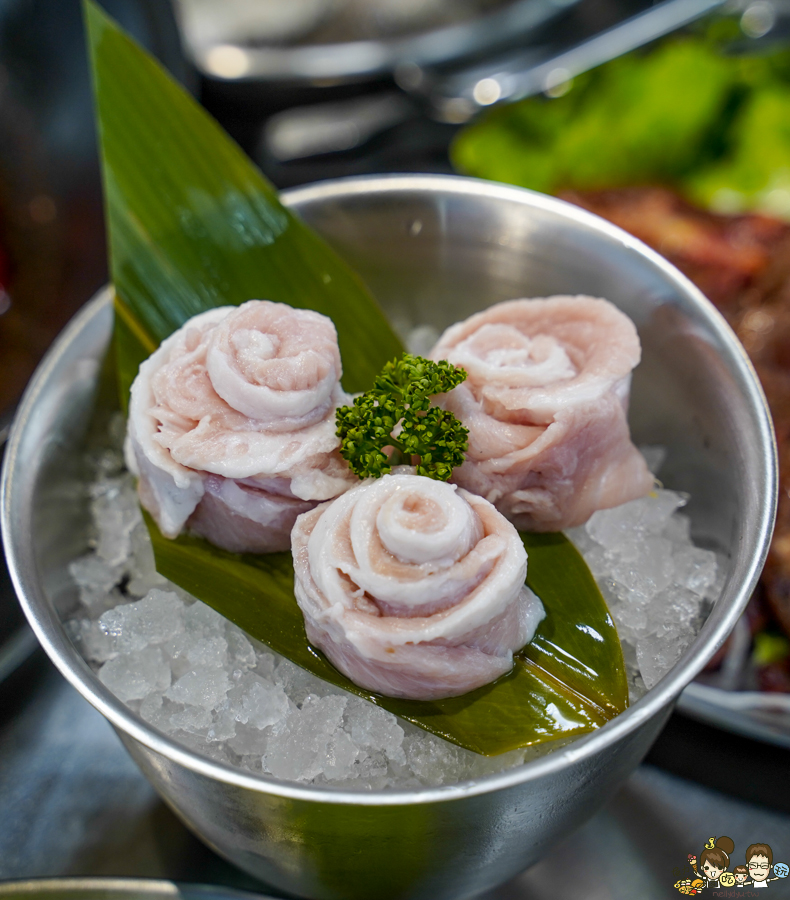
point(433, 250)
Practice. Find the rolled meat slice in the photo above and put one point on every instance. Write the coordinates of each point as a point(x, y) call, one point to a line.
point(413, 587)
point(546, 402)
point(232, 425)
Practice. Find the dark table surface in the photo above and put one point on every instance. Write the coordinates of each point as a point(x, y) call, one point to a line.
point(71, 800)
point(73, 803)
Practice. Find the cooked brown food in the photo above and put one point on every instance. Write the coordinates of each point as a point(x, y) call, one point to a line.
point(742, 263)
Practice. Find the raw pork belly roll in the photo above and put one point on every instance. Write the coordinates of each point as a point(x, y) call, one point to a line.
point(232, 425)
point(545, 402)
point(412, 587)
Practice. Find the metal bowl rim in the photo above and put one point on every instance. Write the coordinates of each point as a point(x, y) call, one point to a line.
point(65, 656)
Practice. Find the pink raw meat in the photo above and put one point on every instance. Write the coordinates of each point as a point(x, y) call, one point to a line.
point(412, 587)
point(545, 402)
point(232, 425)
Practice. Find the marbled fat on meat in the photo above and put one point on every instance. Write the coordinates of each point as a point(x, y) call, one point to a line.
point(412, 587)
point(232, 425)
point(545, 402)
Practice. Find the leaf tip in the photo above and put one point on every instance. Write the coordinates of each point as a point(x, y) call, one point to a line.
point(96, 20)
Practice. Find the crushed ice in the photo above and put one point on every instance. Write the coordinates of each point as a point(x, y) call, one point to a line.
point(195, 676)
point(658, 585)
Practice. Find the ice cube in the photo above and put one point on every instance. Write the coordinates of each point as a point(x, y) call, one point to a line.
point(678, 529)
point(193, 719)
point(656, 657)
point(297, 682)
point(211, 653)
point(95, 578)
point(263, 703)
point(159, 616)
point(341, 754)
point(203, 621)
point(265, 663)
point(205, 687)
point(248, 741)
point(199, 744)
point(631, 620)
point(647, 572)
point(116, 512)
point(95, 645)
point(151, 711)
point(619, 528)
point(142, 566)
point(298, 748)
point(133, 676)
point(240, 651)
point(372, 769)
point(695, 569)
point(375, 728)
point(433, 760)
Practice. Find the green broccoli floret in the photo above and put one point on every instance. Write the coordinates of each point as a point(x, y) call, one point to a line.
point(397, 413)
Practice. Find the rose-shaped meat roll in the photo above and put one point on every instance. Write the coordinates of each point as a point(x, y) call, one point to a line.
point(232, 425)
point(413, 587)
point(545, 402)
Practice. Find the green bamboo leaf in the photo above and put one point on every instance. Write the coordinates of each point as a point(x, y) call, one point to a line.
point(583, 651)
point(193, 224)
point(567, 682)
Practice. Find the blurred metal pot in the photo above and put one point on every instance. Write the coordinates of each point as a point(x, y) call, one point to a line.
point(315, 41)
point(433, 250)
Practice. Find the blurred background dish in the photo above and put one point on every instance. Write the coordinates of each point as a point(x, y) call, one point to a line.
point(318, 40)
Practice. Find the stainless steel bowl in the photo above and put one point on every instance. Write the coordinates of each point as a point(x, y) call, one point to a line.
point(433, 250)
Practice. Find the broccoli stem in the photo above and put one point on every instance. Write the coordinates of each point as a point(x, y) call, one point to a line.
point(399, 457)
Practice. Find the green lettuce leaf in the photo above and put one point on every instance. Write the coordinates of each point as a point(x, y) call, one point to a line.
point(642, 117)
point(689, 112)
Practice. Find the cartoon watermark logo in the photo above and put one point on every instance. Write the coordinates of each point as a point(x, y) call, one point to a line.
point(711, 871)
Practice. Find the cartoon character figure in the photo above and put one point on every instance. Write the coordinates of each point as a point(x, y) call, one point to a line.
point(759, 859)
point(714, 860)
point(741, 874)
point(690, 886)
